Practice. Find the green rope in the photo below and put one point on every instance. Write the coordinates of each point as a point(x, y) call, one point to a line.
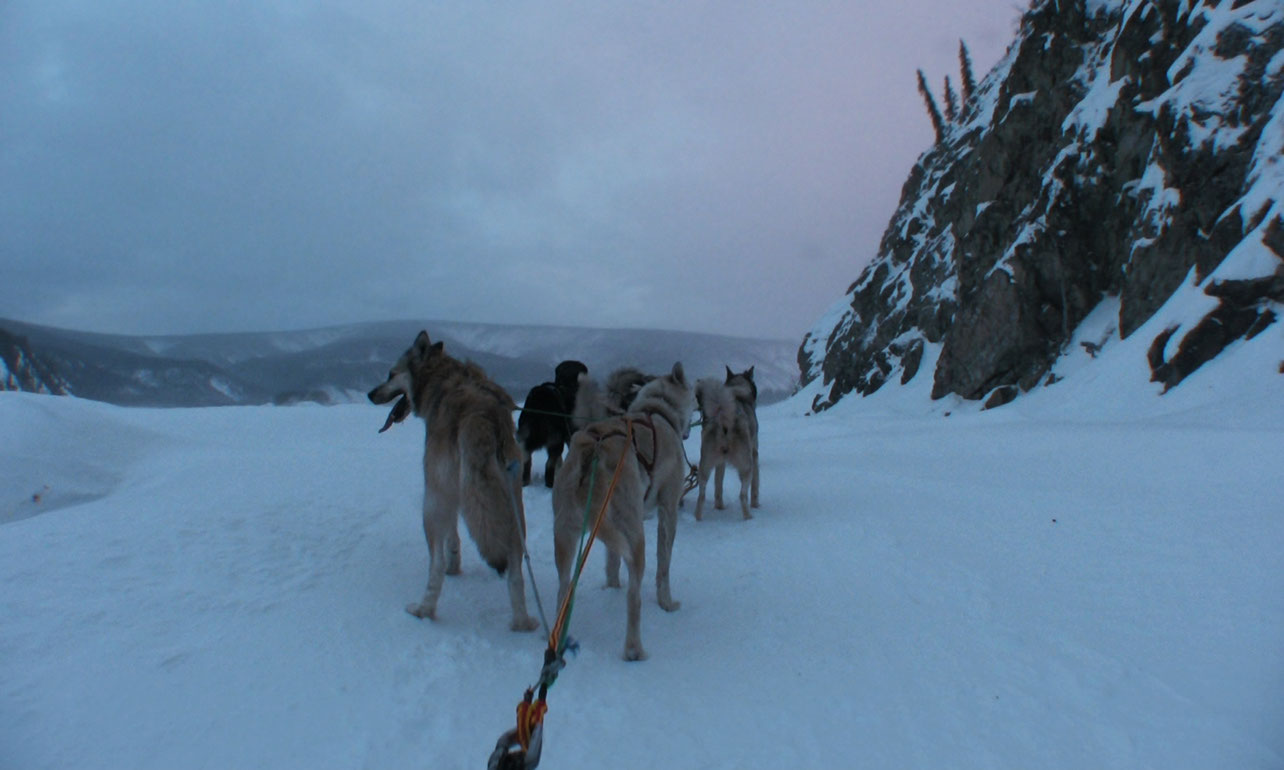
point(543, 412)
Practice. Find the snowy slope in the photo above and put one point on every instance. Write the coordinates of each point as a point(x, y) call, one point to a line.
point(1086, 579)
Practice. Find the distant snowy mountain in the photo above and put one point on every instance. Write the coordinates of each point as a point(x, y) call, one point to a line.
point(342, 363)
point(1123, 163)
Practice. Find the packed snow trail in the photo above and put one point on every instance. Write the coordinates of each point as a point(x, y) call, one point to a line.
point(1018, 588)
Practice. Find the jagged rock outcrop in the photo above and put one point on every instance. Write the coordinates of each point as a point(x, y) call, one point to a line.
point(1123, 148)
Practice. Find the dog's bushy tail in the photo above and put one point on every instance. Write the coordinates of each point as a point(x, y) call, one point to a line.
point(588, 449)
point(491, 500)
point(580, 475)
point(580, 458)
point(589, 404)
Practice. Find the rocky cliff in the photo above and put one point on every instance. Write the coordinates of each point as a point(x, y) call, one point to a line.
point(1122, 150)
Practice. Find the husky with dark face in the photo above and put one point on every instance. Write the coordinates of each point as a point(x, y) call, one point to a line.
point(471, 464)
point(645, 444)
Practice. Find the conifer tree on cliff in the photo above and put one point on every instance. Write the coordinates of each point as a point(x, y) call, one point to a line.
point(937, 122)
point(968, 82)
point(952, 113)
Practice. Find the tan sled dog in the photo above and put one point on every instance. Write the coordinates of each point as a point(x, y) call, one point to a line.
point(646, 445)
point(726, 436)
point(471, 463)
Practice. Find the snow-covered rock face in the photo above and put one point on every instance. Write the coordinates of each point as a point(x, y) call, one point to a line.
point(1129, 149)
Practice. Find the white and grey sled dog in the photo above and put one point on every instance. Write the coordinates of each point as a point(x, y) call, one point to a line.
point(471, 463)
point(744, 389)
point(652, 467)
point(728, 435)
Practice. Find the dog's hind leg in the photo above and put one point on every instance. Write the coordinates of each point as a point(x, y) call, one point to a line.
point(719, 472)
point(554, 450)
point(440, 523)
point(754, 497)
point(564, 549)
point(745, 472)
point(633, 631)
point(517, 595)
point(612, 569)
point(516, 587)
point(567, 520)
point(665, 530)
point(515, 526)
point(453, 566)
point(526, 468)
point(525, 445)
point(702, 477)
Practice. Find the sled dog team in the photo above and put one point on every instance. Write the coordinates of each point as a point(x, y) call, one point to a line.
point(476, 462)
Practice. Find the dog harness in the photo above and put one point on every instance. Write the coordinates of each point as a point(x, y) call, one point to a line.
point(600, 433)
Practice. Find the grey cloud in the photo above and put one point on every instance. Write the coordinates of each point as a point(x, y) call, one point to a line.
point(726, 167)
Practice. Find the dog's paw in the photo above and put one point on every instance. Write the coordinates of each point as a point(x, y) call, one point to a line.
point(524, 624)
point(422, 612)
point(670, 605)
point(634, 652)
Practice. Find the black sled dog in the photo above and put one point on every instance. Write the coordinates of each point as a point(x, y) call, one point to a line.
point(545, 421)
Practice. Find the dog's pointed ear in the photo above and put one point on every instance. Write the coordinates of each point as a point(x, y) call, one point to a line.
point(730, 374)
point(749, 373)
point(678, 373)
point(422, 342)
point(438, 347)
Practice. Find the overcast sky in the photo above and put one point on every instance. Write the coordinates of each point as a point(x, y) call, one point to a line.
point(171, 166)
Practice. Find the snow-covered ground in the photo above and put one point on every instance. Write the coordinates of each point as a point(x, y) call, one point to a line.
point(1087, 578)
